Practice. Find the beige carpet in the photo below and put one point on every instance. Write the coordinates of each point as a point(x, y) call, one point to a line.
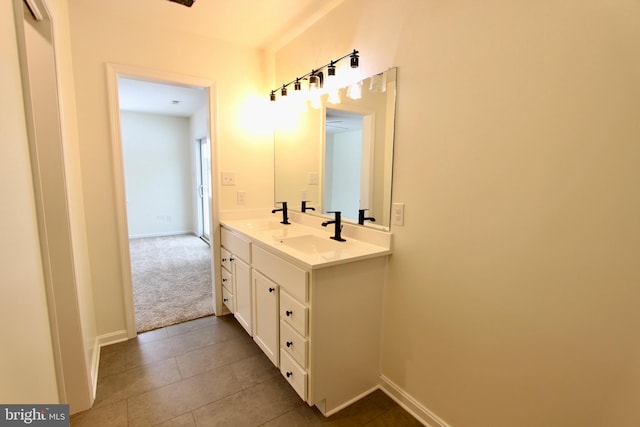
point(171, 280)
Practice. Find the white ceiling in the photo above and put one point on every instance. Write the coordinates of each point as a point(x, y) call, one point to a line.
point(157, 98)
point(260, 24)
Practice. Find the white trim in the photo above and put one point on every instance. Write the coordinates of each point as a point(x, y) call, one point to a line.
point(112, 338)
point(113, 72)
point(165, 234)
point(95, 364)
point(350, 402)
point(101, 341)
point(411, 405)
point(35, 10)
point(120, 196)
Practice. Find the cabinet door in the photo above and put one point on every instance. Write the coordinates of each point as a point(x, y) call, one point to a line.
point(265, 316)
point(242, 294)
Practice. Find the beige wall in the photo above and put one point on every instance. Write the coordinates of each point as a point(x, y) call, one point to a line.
point(513, 289)
point(27, 371)
point(243, 140)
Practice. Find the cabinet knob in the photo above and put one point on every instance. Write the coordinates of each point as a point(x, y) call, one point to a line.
point(232, 259)
point(289, 343)
point(289, 374)
point(224, 260)
point(288, 313)
point(225, 299)
point(272, 289)
point(224, 279)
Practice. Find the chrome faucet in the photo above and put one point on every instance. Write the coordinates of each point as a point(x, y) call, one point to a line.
point(338, 226)
point(305, 208)
point(285, 215)
point(362, 218)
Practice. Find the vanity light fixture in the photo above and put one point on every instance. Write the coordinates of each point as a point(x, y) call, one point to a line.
point(355, 61)
point(331, 70)
point(316, 81)
point(316, 76)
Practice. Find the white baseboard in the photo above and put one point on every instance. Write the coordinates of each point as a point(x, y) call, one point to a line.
point(161, 234)
point(101, 341)
point(112, 338)
point(322, 409)
point(411, 405)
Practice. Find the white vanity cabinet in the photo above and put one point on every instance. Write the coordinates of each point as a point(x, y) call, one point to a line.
point(227, 279)
point(316, 316)
point(265, 316)
point(327, 326)
point(236, 276)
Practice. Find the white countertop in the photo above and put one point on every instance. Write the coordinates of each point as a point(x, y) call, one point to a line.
point(309, 247)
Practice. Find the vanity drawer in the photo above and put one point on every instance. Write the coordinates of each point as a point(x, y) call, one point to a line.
point(293, 312)
point(293, 344)
point(225, 258)
point(290, 277)
point(227, 280)
point(237, 244)
point(294, 374)
point(227, 299)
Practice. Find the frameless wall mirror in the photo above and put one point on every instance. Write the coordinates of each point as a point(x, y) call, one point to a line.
point(339, 157)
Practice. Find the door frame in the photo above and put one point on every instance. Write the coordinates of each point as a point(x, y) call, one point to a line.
point(113, 72)
point(368, 147)
point(200, 215)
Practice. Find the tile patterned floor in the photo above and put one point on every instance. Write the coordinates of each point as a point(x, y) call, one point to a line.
point(208, 372)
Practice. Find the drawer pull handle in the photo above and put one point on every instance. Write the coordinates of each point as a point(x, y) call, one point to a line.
point(288, 313)
point(289, 343)
point(289, 374)
point(272, 289)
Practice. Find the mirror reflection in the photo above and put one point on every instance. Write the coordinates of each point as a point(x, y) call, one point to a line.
point(339, 157)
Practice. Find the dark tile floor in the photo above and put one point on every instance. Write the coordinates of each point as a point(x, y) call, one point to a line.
point(209, 372)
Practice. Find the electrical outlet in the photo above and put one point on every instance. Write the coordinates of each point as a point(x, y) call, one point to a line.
point(313, 178)
point(241, 197)
point(228, 178)
point(397, 214)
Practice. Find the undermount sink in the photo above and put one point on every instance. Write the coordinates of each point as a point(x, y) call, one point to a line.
point(264, 225)
point(314, 245)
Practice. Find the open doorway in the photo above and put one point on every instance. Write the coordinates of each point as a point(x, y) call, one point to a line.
point(348, 161)
point(166, 162)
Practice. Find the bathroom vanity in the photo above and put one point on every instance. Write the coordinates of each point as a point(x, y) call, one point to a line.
point(313, 305)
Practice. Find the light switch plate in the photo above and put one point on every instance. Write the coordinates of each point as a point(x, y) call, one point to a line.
point(228, 178)
point(397, 214)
